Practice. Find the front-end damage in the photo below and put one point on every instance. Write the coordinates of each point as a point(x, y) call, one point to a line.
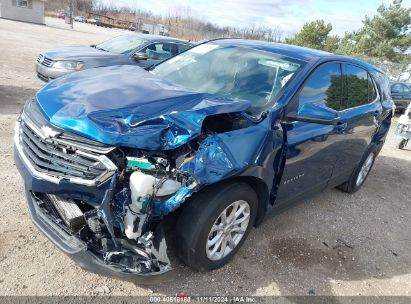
point(125, 232)
point(116, 224)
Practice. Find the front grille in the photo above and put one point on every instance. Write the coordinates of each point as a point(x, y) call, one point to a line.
point(62, 155)
point(43, 60)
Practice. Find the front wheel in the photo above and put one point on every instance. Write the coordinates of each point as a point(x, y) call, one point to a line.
point(214, 225)
point(360, 173)
point(402, 144)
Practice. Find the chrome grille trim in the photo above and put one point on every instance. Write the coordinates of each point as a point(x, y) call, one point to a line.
point(43, 60)
point(49, 158)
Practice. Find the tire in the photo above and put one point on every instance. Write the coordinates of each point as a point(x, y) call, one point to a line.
point(353, 184)
point(202, 213)
point(402, 143)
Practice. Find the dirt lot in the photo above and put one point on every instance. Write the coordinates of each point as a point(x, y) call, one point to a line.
point(333, 244)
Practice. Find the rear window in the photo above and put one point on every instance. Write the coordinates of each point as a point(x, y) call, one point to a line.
point(356, 80)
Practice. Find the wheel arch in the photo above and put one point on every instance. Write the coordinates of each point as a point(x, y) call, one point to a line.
point(261, 190)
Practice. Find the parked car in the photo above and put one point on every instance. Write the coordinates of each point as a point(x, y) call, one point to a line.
point(61, 15)
point(131, 49)
point(80, 19)
point(213, 139)
point(95, 21)
point(401, 94)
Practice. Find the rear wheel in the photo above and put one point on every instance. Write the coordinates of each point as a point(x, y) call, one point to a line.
point(360, 173)
point(214, 225)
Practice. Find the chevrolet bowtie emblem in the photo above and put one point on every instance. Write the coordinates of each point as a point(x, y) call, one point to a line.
point(48, 132)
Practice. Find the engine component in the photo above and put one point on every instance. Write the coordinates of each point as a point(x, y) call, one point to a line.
point(143, 187)
point(68, 210)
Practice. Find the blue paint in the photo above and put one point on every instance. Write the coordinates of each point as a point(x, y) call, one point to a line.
point(126, 106)
point(161, 207)
point(129, 107)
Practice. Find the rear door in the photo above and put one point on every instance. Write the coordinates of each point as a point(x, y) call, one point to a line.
point(312, 148)
point(360, 116)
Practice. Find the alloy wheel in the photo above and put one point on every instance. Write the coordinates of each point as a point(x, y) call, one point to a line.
point(228, 230)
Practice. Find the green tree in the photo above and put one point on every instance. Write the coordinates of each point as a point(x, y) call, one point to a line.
point(386, 35)
point(315, 35)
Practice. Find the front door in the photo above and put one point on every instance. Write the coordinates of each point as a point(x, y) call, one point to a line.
point(157, 52)
point(312, 150)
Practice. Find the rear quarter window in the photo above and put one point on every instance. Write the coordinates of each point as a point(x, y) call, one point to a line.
point(383, 84)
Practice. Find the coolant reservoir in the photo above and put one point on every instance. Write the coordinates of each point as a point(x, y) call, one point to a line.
point(141, 185)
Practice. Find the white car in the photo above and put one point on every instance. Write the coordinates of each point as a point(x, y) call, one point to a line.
point(80, 19)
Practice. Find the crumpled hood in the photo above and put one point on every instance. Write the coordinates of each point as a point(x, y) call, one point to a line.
point(76, 52)
point(128, 106)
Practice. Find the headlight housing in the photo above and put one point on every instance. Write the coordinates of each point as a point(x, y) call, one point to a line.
point(68, 65)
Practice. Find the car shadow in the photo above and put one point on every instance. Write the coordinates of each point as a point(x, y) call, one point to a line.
point(12, 98)
point(325, 246)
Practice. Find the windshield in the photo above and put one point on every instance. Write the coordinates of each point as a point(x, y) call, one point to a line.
point(233, 72)
point(121, 44)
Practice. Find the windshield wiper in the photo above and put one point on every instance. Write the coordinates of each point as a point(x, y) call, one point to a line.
point(151, 67)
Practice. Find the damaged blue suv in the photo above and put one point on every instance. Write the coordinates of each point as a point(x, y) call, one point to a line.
point(214, 138)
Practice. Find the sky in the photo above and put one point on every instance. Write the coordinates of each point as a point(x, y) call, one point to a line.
point(288, 15)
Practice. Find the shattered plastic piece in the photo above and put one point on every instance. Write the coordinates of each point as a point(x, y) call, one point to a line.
point(150, 254)
point(146, 239)
point(168, 187)
point(165, 207)
point(150, 113)
point(104, 211)
point(128, 261)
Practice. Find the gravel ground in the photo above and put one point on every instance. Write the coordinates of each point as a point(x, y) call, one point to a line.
point(332, 244)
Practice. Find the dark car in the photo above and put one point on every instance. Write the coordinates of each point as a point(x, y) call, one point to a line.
point(401, 94)
point(212, 140)
point(131, 49)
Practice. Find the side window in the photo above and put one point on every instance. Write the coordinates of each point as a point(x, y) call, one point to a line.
point(372, 93)
point(323, 86)
point(397, 88)
point(160, 51)
point(356, 86)
point(383, 84)
point(183, 47)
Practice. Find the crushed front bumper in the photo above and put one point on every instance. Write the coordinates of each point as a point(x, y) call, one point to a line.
point(77, 249)
point(74, 247)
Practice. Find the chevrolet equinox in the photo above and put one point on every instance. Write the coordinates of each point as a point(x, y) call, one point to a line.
point(215, 138)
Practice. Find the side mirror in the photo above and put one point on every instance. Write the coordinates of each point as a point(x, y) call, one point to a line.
point(140, 56)
point(315, 113)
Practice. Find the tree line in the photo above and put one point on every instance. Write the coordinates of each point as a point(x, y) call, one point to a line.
point(385, 36)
